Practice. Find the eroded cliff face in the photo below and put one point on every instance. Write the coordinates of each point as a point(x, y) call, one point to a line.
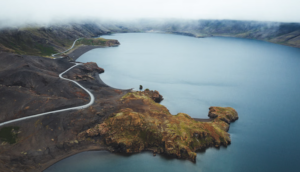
point(143, 124)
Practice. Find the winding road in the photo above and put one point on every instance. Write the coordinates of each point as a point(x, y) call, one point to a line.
point(67, 49)
point(62, 110)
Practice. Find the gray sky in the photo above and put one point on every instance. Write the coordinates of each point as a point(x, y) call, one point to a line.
point(28, 11)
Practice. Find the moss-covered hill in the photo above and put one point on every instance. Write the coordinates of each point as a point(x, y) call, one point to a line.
point(143, 124)
point(97, 41)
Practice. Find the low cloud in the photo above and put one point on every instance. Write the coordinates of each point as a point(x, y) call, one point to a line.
point(19, 12)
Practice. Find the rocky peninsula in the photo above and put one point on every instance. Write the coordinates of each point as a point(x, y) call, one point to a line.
point(143, 124)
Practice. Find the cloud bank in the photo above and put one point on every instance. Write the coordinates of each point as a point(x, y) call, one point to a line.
point(17, 12)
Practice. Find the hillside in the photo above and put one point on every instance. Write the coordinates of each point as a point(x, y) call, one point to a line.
point(44, 41)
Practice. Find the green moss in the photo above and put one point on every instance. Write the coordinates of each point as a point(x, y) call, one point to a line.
point(92, 41)
point(45, 50)
point(9, 134)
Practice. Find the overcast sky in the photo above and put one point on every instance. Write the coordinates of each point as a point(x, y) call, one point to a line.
point(28, 11)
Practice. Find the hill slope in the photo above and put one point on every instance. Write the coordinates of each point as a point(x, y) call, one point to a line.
point(44, 41)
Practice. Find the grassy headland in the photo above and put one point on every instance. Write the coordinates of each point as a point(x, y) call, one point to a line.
point(144, 124)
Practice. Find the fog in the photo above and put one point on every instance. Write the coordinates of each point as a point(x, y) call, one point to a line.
point(19, 12)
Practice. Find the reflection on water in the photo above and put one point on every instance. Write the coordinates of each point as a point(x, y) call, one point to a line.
point(259, 79)
point(105, 161)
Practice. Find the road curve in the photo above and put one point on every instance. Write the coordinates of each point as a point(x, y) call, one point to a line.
point(62, 110)
point(67, 49)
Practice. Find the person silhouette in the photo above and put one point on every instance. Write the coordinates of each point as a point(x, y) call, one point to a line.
point(141, 87)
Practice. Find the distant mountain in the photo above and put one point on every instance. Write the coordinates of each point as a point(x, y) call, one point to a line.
point(281, 33)
point(44, 41)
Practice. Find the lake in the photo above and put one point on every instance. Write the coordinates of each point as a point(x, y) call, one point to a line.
point(260, 80)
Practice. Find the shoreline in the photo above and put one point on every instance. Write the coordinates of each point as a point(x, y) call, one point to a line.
point(90, 148)
point(74, 54)
point(190, 34)
point(78, 51)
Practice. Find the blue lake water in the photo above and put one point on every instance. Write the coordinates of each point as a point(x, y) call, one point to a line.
point(260, 80)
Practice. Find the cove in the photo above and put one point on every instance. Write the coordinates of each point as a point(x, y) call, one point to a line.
point(259, 79)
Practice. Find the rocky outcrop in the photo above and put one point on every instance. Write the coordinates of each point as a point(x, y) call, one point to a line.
point(87, 71)
point(223, 116)
point(143, 124)
point(154, 95)
point(111, 43)
point(227, 115)
point(92, 66)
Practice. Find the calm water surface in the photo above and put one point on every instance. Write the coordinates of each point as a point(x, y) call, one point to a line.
point(259, 79)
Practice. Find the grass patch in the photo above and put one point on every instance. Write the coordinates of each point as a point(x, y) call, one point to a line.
point(9, 134)
point(92, 41)
point(45, 50)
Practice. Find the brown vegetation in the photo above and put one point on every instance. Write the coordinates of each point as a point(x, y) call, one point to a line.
point(143, 124)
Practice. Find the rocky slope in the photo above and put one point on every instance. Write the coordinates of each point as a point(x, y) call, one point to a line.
point(30, 85)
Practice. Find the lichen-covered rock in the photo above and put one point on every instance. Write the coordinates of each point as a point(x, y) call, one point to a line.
point(154, 95)
point(223, 116)
point(226, 114)
point(144, 124)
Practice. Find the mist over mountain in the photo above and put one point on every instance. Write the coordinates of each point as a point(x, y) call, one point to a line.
point(45, 27)
point(16, 13)
point(44, 40)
